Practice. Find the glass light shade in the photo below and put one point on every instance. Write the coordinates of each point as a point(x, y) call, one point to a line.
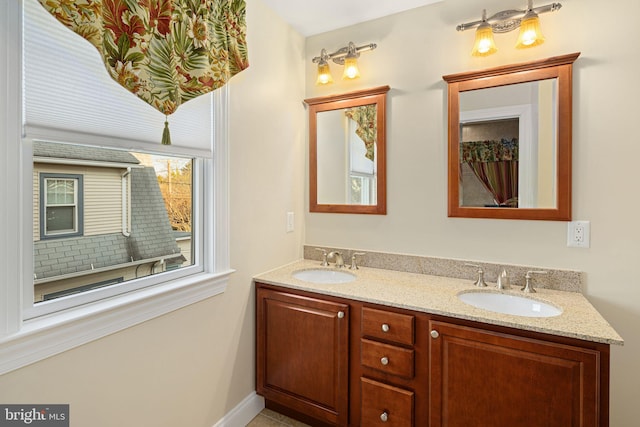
point(484, 44)
point(324, 74)
point(351, 70)
point(530, 33)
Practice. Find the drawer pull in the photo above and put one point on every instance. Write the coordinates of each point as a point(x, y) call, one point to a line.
point(340, 314)
point(384, 361)
point(434, 334)
point(385, 327)
point(384, 417)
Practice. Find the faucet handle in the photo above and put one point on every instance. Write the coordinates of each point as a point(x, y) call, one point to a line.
point(354, 264)
point(324, 262)
point(528, 287)
point(480, 282)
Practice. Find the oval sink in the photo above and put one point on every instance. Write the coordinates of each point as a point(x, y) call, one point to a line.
point(509, 304)
point(324, 276)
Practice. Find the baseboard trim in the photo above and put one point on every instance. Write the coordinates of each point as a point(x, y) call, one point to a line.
point(243, 413)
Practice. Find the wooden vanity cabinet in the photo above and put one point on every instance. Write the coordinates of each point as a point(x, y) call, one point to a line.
point(303, 355)
point(331, 361)
point(482, 377)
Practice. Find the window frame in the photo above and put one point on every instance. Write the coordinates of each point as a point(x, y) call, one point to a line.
point(25, 338)
point(78, 204)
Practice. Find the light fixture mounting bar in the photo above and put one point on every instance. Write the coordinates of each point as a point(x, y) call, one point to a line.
point(339, 55)
point(508, 20)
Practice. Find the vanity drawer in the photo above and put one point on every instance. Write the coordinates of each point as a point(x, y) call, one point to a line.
point(388, 326)
point(387, 358)
point(385, 405)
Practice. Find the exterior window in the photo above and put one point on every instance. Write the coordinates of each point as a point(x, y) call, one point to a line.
point(61, 205)
point(108, 217)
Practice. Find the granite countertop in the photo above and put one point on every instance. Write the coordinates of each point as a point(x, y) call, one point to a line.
point(438, 295)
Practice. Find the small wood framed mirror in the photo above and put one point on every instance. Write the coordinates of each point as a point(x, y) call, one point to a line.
point(347, 152)
point(510, 141)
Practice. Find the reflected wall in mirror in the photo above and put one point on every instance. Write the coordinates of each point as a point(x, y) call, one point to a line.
point(347, 152)
point(510, 141)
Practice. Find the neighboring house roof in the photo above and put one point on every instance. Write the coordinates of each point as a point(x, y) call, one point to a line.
point(82, 152)
point(151, 234)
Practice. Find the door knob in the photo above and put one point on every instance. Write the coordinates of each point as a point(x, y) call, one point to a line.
point(434, 334)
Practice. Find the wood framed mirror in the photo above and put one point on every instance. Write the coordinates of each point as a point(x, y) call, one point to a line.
point(347, 152)
point(510, 141)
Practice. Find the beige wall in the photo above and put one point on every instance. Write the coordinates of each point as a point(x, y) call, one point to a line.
point(414, 50)
point(192, 366)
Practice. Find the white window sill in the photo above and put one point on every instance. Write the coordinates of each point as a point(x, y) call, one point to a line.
point(46, 336)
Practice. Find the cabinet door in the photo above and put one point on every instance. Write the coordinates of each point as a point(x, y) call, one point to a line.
point(302, 354)
point(482, 378)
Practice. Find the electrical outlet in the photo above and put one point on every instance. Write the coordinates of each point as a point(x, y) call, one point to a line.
point(578, 234)
point(290, 221)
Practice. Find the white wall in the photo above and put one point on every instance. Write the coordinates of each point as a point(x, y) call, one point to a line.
point(415, 49)
point(192, 366)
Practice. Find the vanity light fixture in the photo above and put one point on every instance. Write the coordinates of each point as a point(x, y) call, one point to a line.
point(484, 44)
point(508, 20)
point(324, 72)
point(347, 56)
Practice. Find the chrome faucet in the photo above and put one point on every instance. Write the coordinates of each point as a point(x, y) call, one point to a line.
point(503, 280)
point(528, 287)
point(338, 257)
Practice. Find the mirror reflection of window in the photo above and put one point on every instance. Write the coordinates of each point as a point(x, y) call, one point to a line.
point(346, 163)
point(362, 170)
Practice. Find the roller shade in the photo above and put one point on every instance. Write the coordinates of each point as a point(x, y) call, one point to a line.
point(69, 97)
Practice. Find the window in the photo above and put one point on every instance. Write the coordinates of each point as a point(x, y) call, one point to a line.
point(60, 205)
point(64, 199)
point(136, 210)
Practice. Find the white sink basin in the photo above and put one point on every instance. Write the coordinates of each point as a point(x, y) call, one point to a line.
point(324, 276)
point(509, 304)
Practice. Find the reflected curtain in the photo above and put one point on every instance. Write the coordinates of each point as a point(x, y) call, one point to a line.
point(495, 163)
point(366, 118)
point(166, 52)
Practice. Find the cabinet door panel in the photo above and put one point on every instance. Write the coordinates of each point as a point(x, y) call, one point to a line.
point(481, 378)
point(303, 354)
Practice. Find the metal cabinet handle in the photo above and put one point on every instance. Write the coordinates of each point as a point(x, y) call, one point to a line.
point(434, 334)
point(385, 327)
point(340, 314)
point(384, 360)
point(384, 417)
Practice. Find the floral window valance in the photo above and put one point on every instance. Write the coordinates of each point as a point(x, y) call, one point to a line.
point(166, 52)
point(366, 118)
point(489, 151)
